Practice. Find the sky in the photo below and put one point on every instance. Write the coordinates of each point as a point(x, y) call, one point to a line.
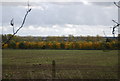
point(59, 18)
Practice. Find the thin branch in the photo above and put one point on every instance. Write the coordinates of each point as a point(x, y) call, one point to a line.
point(117, 25)
point(117, 5)
point(115, 22)
point(12, 24)
point(113, 31)
point(23, 22)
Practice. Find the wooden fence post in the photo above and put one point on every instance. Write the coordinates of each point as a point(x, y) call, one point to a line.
point(53, 69)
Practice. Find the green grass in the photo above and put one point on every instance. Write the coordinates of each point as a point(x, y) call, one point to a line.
point(70, 64)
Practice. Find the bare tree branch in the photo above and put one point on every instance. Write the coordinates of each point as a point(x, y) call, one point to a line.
point(117, 5)
point(12, 24)
point(117, 25)
point(23, 22)
point(115, 22)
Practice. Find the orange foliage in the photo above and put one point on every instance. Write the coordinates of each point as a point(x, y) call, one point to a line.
point(64, 45)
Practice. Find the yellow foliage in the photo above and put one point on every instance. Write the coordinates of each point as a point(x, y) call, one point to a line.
point(5, 46)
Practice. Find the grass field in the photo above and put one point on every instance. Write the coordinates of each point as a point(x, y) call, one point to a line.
point(70, 64)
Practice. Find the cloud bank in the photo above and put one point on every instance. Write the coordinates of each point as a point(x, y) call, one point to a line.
point(63, 18)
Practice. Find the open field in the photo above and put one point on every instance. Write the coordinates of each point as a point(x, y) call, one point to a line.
point(70, 64)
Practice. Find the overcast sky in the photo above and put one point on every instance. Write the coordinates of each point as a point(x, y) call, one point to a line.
point(60, 18)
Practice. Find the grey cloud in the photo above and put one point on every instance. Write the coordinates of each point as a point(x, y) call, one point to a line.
point(62, 13)
point(104, 4)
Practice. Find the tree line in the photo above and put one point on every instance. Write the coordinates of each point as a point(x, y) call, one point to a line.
point(62, 42)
